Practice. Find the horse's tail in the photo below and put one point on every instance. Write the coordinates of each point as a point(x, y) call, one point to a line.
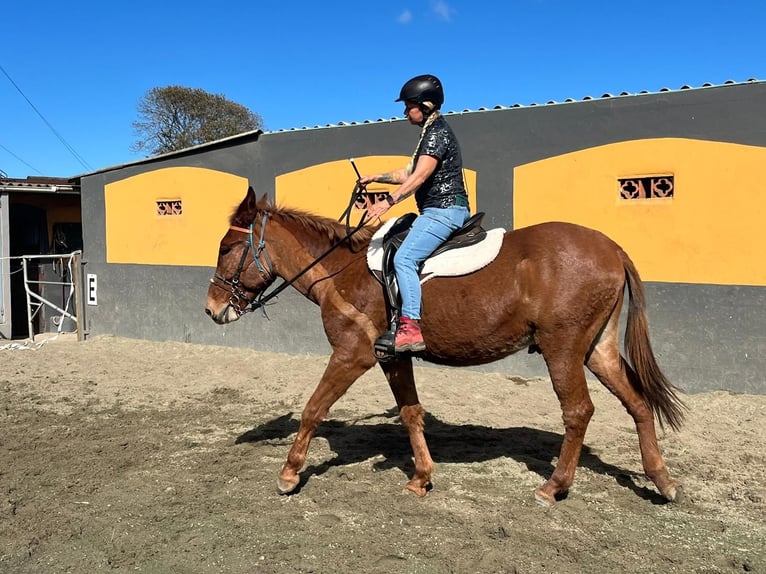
point(647, 377)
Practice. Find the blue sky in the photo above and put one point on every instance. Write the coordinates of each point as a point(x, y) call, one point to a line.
point(75, 71)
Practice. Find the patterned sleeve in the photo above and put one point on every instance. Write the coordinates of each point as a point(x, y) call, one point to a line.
point(435, 143)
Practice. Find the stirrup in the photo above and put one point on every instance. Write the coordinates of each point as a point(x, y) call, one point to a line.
point(385, 346)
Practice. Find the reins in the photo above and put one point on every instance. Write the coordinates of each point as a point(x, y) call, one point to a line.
point(358, 193)
point(261, 300)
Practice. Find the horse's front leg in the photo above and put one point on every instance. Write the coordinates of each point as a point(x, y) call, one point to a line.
point(341, 372)
point(402, 382)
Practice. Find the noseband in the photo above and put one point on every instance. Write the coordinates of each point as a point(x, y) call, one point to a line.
point(232, 285)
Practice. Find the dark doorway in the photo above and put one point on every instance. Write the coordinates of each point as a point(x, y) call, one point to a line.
point(28, 231)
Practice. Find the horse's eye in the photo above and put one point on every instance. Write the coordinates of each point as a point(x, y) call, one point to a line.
point(224, 250)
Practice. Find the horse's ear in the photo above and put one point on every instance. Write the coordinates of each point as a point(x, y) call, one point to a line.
point(248, 204)
point(248, 208)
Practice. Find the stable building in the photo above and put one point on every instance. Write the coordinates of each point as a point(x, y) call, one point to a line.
point(40, 217)
point(672, 176)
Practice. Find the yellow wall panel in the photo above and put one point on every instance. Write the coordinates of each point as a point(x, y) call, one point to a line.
point(325, 189)
point(710, 232)
point(135, 233)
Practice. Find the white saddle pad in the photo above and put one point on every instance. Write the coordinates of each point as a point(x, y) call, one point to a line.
point(451, 263)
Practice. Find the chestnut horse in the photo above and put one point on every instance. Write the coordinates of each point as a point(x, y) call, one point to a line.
point(555, 287)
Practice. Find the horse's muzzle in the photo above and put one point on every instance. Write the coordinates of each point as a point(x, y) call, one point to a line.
point(225, 315)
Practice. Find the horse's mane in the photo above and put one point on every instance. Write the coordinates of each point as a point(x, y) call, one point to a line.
point(333, 230)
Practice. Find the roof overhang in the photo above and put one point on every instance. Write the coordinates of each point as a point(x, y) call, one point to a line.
point(44, 185)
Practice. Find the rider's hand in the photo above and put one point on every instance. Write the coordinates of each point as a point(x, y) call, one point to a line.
point(365, 179)
point(377, 209)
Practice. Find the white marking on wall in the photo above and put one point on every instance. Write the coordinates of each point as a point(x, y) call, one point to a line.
point(91, 289)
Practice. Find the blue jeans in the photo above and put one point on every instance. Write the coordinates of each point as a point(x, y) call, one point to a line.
point(430, 229)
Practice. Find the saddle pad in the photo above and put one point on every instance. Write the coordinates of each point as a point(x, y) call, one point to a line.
point(451, 263)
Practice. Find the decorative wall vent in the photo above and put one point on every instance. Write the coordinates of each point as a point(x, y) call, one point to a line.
point(365, 199)
point(654, 187)
point(169, 207)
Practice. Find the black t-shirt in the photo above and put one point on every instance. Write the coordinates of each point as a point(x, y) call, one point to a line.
point(445, 184)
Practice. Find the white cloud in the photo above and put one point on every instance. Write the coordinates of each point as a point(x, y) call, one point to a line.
point(405, 17)
point(442, 10)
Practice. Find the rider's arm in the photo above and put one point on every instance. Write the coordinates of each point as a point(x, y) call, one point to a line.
point(396, 176)
point(423, 170)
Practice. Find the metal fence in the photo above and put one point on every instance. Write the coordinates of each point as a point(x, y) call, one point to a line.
point(35, 290)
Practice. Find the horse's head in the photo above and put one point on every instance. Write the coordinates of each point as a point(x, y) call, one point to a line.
point(243, 271)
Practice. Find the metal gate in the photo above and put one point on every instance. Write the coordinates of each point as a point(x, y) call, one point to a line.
point(66, 314)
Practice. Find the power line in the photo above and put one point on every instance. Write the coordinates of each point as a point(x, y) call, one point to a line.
point(74, 153)
point(21, 160)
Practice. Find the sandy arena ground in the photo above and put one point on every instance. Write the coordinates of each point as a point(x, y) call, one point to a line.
point(139, 456)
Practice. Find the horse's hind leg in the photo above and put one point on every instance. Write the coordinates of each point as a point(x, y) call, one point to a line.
point(568, 378)
point(402, 382)
point(611, 369)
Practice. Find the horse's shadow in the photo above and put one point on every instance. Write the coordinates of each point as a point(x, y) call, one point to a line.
point(447, 442)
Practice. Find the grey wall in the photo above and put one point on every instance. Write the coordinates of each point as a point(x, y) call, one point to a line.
point(706, 337)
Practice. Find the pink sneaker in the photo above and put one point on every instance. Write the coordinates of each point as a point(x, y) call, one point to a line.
point(408, 337)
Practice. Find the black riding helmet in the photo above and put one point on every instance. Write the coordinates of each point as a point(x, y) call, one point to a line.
point(421, 89)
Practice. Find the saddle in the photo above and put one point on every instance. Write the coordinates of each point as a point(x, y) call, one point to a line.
point(456, 256)
point(469, 234)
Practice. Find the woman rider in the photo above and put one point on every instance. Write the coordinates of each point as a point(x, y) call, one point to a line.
point(435, 176)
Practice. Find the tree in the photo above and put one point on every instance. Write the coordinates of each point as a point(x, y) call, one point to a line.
point(175, 117)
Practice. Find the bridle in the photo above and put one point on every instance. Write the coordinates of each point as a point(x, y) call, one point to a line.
point(266, 271)
point(237, 294)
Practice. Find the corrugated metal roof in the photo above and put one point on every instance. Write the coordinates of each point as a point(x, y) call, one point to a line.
point(517, 105)
point(257, 133)
point(60, 185)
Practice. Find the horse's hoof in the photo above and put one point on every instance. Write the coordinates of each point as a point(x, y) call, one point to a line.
point(543, 499)
point(674, 493)
point(417, 488)
point(286, 486)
